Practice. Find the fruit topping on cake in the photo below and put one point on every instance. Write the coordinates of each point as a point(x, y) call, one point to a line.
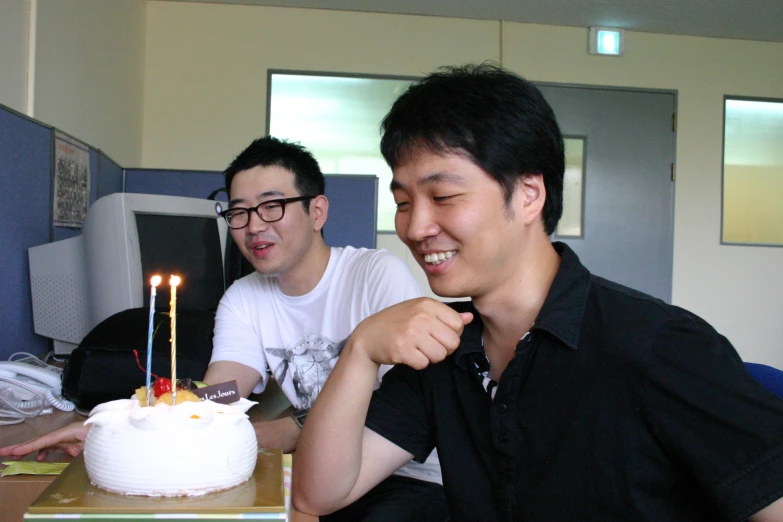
point(161, 392)
point(162, 385)
point(182, 396)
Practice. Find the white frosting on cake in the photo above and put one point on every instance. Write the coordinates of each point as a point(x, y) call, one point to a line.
point(188, 449)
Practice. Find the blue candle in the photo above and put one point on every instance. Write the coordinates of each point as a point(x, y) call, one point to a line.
point(155, 281)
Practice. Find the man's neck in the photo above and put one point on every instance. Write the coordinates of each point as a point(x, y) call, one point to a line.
point(307, 273)
point(510, 311)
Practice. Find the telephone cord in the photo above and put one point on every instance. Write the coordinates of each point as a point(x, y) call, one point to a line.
point(58, 401)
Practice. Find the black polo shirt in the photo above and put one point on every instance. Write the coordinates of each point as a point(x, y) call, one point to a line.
point(617, 406)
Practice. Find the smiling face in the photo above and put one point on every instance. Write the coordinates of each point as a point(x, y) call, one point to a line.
point(283, 247)
point(452, 216)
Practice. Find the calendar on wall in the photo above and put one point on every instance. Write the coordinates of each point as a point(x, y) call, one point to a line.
point(71, 181)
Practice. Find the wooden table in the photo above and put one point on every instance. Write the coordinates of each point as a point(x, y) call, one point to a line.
point(17, 492)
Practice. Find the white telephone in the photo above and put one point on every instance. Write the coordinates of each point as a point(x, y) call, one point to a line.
point(28, 390)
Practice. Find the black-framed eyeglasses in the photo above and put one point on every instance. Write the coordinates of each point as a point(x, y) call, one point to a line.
point(269, 211)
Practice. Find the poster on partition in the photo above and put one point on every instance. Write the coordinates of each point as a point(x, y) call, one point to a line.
point(71, 181)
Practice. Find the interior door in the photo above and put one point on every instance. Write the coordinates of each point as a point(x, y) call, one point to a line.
point(628, 202)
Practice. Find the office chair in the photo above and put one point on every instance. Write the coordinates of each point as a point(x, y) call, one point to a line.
point(769, 377)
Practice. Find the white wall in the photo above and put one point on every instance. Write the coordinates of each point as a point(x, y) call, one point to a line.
point(737, 289)
point(13, 53)
point(89, 72)
point(206, 66)
point(205, 99)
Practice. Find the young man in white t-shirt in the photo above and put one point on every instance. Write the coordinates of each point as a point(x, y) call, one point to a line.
point(291, 316)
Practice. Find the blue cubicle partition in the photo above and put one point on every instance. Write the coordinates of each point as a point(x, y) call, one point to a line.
point(26, 152)
point(26, 184)
point(353, 210)
point(188, 183)
point(110, 174)
point(353, 200)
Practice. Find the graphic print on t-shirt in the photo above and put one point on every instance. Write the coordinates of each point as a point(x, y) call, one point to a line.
point(304, 365)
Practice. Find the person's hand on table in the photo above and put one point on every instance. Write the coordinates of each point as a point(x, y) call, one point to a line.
point(69, 439)
point(281, 433)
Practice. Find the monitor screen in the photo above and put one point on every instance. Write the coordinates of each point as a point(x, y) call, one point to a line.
point(188, 247)
point(126, 238)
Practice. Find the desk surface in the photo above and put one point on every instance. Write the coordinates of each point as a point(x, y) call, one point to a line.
point(18, 491)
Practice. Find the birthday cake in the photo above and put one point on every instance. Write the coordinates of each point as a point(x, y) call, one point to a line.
point(187, 449)
point(171, 439)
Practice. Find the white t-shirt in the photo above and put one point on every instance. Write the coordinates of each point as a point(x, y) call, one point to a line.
point(299, 338)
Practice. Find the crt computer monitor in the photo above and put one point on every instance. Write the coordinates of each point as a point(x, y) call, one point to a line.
point(126, 238)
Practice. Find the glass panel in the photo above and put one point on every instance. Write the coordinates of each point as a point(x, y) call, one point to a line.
point(338, 119)
point(753, 172)
point(570, 224)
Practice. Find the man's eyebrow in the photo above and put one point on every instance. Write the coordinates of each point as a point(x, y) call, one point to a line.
point(435, 177)
point(396, 185)
point(269, 193)
point(266, 194)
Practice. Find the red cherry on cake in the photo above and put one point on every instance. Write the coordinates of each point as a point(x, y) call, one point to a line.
point(162, 385)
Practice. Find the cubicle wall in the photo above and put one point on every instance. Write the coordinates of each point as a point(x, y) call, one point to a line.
point(353, 200)
point(26, 152)
point(166, 182)
point(26, 185)
point(26, 181)
point(110, 175)
point(353, 210)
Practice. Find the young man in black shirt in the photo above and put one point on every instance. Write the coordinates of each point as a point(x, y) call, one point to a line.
point(553, 394)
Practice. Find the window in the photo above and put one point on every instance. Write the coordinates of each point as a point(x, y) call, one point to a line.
point(571, 223)
point(752, 172)
point(338, 119)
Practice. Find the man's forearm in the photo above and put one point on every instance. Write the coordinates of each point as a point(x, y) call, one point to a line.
point(222, 371)
point(329, 453)
point(771, 513)
point(280, 433)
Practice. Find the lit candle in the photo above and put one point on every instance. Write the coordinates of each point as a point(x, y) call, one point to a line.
point(173, 282)
point(155, 281)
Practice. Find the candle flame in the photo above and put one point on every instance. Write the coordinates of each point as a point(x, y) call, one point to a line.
point(155, 281)
point(174, 281)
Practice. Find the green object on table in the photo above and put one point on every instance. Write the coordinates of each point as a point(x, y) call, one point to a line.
point(26, 467)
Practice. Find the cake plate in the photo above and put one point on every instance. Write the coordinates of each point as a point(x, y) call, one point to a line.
point(263, 497)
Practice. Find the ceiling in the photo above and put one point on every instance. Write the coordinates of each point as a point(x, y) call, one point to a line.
point(740, 19)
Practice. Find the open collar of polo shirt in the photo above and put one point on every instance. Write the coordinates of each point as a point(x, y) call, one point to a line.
point(561, 315)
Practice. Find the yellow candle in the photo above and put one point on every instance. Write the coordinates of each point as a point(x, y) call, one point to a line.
point(173, 282)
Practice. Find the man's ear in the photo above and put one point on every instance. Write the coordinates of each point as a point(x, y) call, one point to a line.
point(319, 211)
point(532, 194)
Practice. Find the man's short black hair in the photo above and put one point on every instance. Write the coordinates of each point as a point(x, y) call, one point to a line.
point(498, 119)
point(269, 151)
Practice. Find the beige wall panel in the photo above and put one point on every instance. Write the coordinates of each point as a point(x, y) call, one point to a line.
point(753, 210)
point(737, 289)
point(13, 53)
point(206, 66)
point(89, 72)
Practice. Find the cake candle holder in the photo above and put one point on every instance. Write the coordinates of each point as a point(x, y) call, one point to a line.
point(173, 282)
point(154, 282)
